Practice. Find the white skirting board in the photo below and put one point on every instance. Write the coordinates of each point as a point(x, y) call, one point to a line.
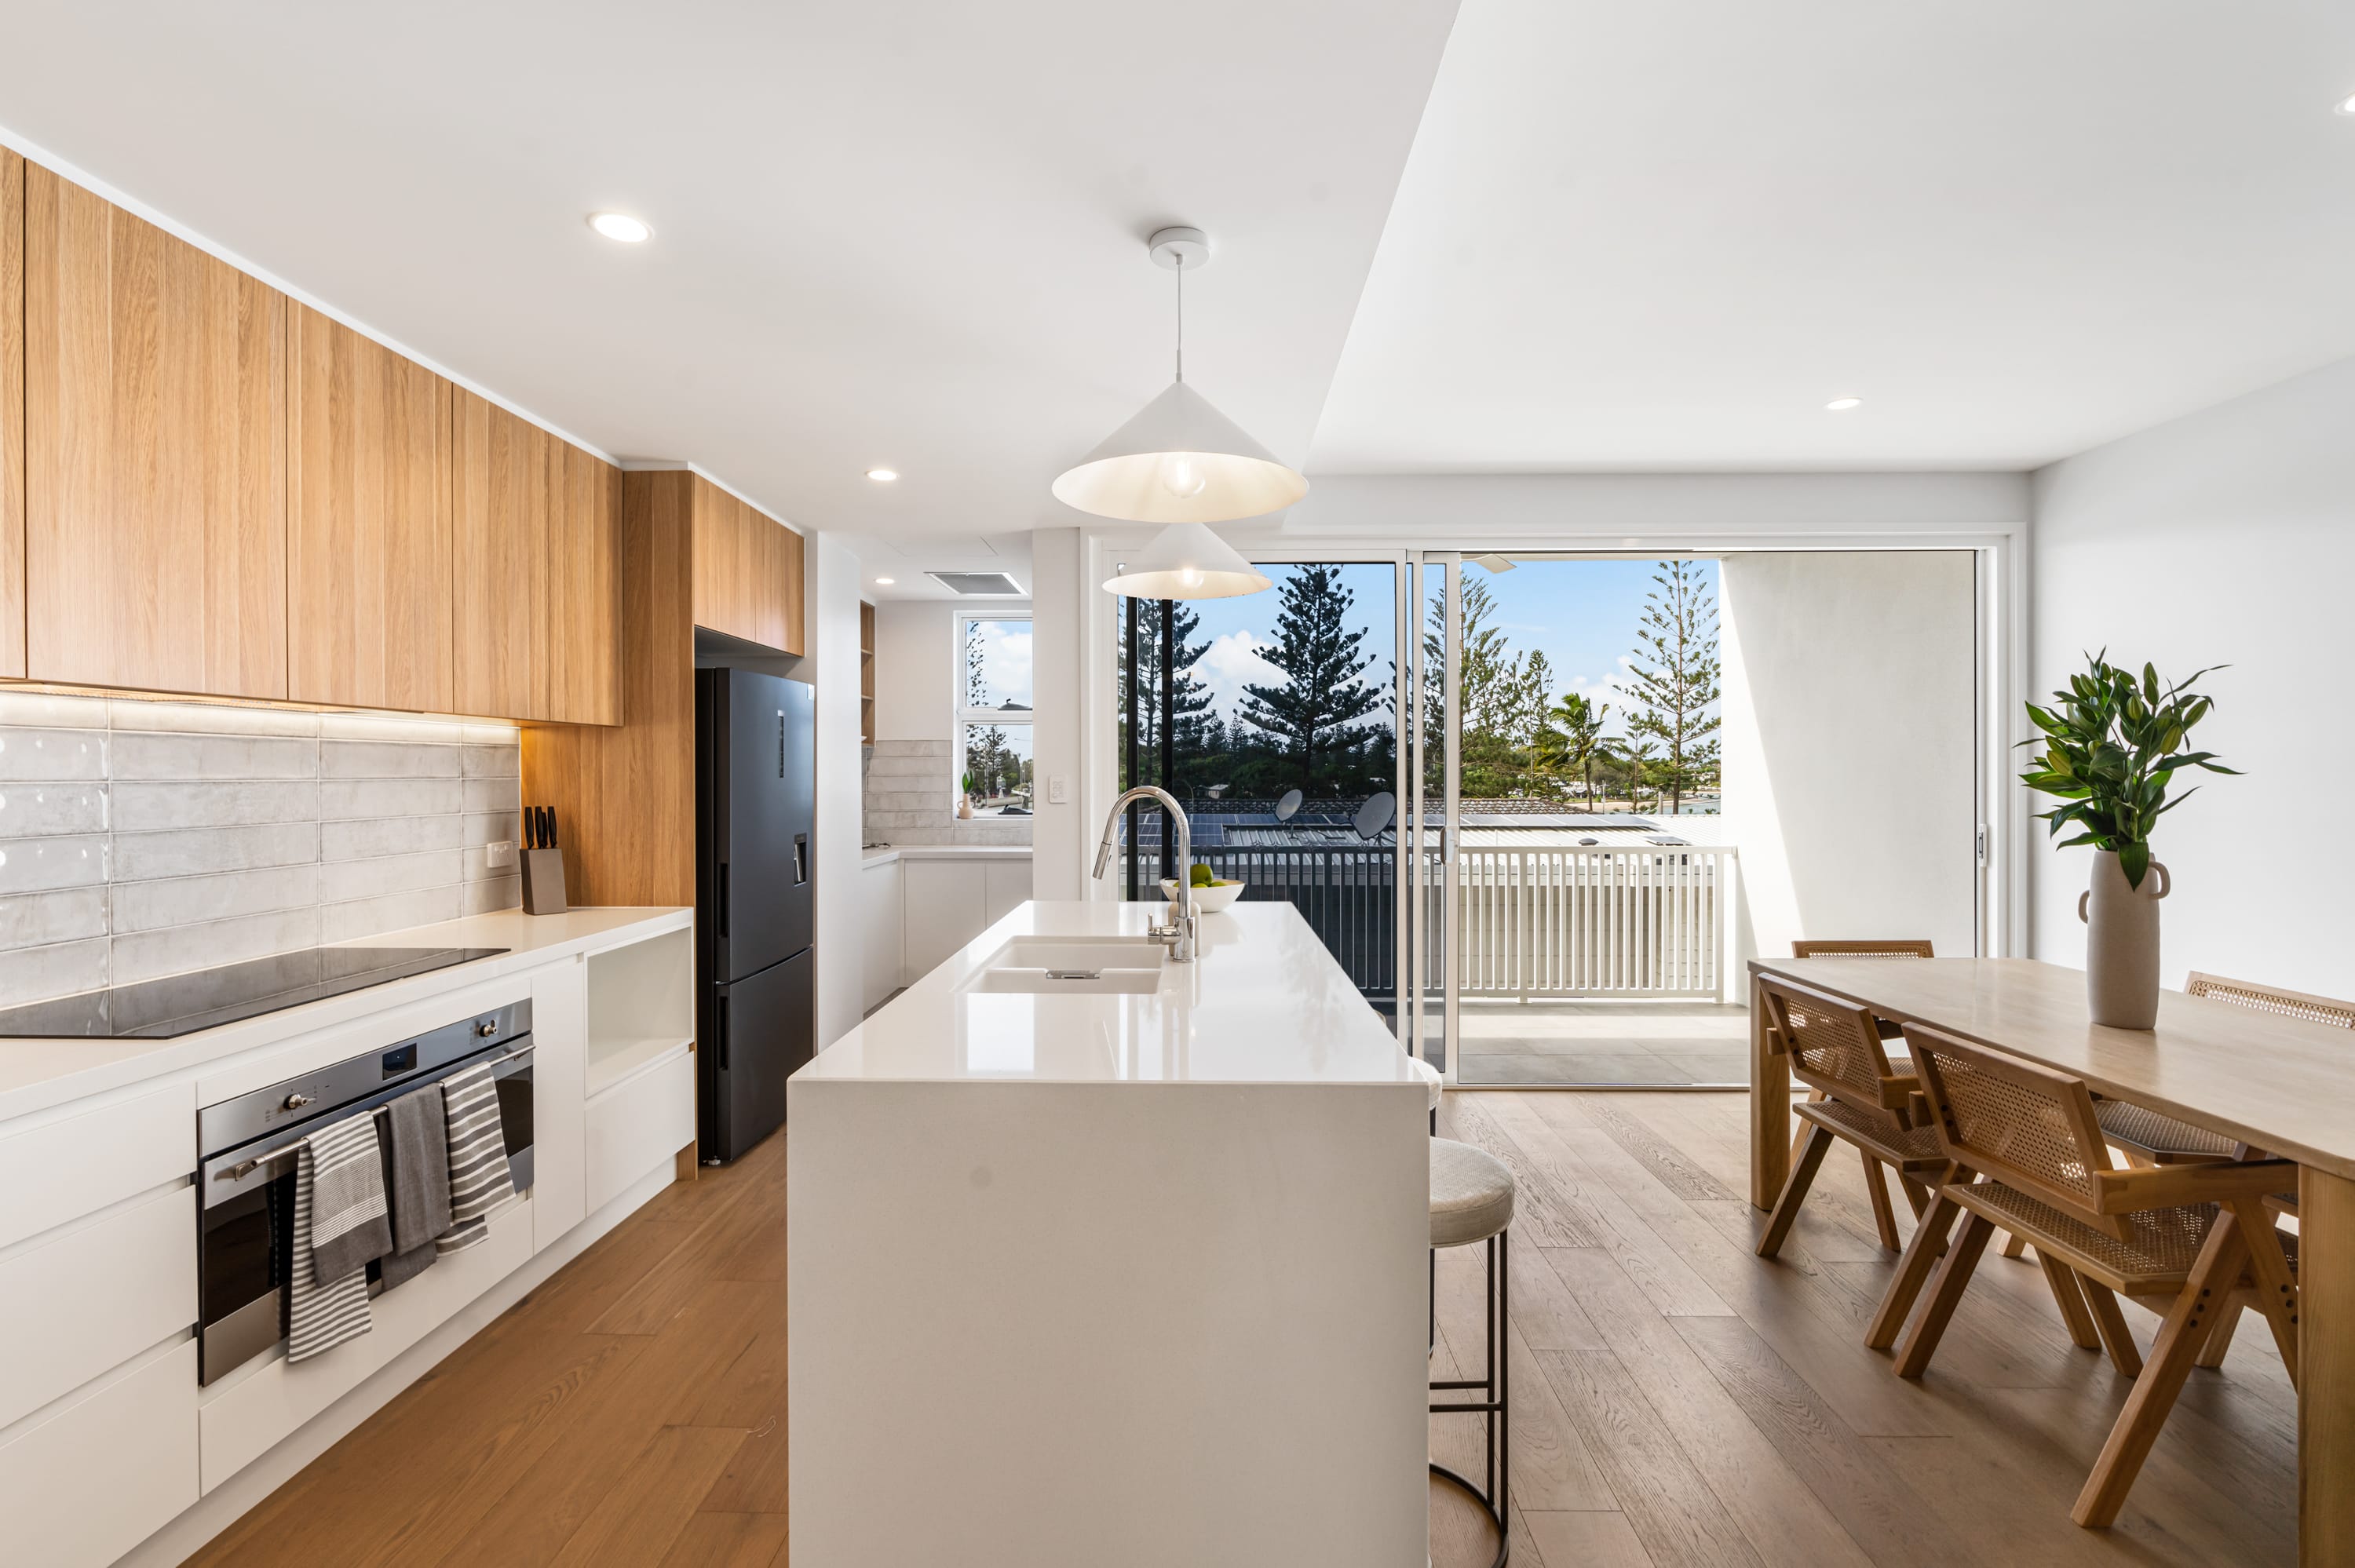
point(179, 1540)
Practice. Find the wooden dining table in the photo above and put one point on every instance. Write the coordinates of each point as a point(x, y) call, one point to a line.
point(2283, 1085)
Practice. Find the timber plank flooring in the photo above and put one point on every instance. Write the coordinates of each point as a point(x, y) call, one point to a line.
point(1678, 1402)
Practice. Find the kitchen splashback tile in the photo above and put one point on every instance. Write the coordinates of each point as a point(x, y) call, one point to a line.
point(50, 710)
point(342, 799)
point(407, 729)
point(493, 761)
point(497, 795)
point(30, 811)
point(52, 754)
point(369, 836)
point(503, 891)
point(345, 880)
point(140, 754)
point(31, 974)
point(39, 920)
point(208, 718)
point(188, 900)
point(30, 866)
point(198, 851)
point(367, 916)
point(385, 759)
point(155, 805)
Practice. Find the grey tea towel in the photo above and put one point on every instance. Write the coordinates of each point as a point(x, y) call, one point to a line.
point(350, 1223)
point(325, 1310)
point(419, 1182)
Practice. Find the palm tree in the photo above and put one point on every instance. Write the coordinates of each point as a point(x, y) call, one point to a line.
point(1575, 740)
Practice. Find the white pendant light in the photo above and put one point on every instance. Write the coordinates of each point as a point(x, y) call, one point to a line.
point(1186, 560)
point(1180, 460)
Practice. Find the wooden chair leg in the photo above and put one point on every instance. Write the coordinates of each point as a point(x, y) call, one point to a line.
point(1799, 1139)
point(1916, 1194)
point(2221, 1258)
point(2063, 1280)
point(1794, 1189)
point(2112, 1324)
point(2014, 1245)
point(2219, 1337)
point(1946, 1294)
point(2277, 1287)
point(1884, 1218)
point(1921, 1254)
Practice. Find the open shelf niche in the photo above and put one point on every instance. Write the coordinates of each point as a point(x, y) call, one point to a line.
point(641, 1007)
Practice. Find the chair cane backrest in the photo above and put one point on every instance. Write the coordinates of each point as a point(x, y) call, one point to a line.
point(1883, 948)
point(2272, 999)
point(2018, 1121)
point(1834, 1045)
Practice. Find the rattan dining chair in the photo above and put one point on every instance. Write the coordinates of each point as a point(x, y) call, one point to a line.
point(2029, 1155)
point(1876, 1186)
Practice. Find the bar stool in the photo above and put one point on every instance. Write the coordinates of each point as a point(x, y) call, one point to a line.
point(1472, 1195)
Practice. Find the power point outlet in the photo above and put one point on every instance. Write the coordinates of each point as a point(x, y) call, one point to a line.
point(496, 856)
point(1059, 789)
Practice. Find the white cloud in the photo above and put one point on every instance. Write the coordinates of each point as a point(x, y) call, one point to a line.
point(1232, 661)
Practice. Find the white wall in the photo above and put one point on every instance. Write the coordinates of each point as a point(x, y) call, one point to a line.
point(1059, 862)
point(1851, 745)
point(2227, 536)
point(916, 667)
point(831, 605)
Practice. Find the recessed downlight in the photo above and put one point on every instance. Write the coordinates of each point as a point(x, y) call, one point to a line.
point(884, 475)
point(1842, 405)
point(622, 227)
point(2346, 105)
point(883, 582)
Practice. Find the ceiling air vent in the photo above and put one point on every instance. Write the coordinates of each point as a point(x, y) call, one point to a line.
point(997, 583)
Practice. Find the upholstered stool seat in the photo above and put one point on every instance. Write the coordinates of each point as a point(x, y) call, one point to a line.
point(1471, 1193)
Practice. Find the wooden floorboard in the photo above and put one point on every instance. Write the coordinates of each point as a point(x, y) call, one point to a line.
point(1678, 1401)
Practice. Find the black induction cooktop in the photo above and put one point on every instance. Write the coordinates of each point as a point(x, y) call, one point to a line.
point(182, 1004)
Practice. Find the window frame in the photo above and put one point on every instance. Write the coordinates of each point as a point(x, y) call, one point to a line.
point(963, 717)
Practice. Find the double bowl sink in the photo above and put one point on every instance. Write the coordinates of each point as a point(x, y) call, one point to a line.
point(1074, 966)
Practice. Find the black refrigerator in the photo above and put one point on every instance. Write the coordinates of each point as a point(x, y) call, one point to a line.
point(755, 1013)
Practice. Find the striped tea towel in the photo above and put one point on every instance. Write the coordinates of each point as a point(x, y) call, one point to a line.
point(480, 1183)
point(351, 1221)
point(321, 1312)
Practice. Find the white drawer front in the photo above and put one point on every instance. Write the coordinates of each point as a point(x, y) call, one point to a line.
point(94, 1296)
point(244, 1418)
point(103, 1474)
point(636, 1124)
point(77, 1165)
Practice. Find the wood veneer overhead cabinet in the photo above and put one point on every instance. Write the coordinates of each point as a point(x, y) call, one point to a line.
point(154, 453)
point(367, 545)
point(625, 796)
point(535, 596)
point(748, 571)
point(12, 414)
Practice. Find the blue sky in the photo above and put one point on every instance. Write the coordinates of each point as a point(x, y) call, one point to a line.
point(1581, 613)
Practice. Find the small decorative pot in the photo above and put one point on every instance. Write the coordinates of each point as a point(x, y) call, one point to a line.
point(2122, 943)
point(964, 808)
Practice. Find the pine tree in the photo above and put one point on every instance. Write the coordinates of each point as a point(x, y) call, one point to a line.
point(1312, 721)
point(1674, 680)
point(1191, 750)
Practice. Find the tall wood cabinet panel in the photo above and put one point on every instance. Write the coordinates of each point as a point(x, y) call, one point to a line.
point(155, 454)
point(536, 589)
point(367, 535)
point(12, 413)
point(748, 571)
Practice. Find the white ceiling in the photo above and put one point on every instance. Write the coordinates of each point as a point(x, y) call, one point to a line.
point(908, 235)
point(1662, 236)
point(1627, 236)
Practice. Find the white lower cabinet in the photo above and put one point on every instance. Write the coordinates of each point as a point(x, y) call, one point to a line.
point(951, 902)
point(638, 1125)
point(95, 1478)
point(94, 1296)
point(882, 933)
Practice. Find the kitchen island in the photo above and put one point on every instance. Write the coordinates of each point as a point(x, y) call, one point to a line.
point(1096, 1259)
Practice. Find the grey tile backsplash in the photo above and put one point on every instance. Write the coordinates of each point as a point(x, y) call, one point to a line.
point(141, 838)
point(909, 798)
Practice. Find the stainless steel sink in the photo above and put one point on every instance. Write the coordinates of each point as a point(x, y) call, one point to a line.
point(1074, 966)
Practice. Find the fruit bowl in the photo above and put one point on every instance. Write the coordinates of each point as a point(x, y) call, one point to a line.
point(1209, 900)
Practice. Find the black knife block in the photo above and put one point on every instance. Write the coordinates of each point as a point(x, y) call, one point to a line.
point(543, 882)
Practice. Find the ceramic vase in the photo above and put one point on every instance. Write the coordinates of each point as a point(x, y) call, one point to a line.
point(2122, 943)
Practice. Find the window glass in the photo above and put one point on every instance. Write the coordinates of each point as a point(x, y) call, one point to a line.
point(996, 667)
point(997, 769)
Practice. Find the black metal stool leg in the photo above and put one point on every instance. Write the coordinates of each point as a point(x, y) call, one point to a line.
point(1495, 1499)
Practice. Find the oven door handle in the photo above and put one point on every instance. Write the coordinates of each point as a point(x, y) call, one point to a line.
point(512, 1064)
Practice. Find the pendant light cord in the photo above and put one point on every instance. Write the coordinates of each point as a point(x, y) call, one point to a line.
point(1181, 315)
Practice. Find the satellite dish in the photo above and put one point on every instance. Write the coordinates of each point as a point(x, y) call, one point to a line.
point(1286, 807)
point(1376, 814)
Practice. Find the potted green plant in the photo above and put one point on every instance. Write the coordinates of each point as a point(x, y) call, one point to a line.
point(2110, 748)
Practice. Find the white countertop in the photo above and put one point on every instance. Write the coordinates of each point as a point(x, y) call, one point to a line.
point(942, 852)
point(1264, 1003)
point(38, 1073)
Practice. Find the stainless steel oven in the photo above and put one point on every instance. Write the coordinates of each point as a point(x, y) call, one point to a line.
point(246, 1151)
